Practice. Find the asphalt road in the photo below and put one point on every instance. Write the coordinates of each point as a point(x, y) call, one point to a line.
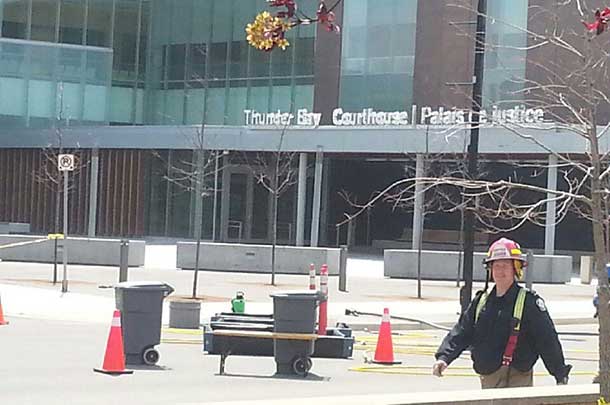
point(51, 362)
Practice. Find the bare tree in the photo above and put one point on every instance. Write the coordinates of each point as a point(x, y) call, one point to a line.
point(276, 172)
point(567, 77)
point(48, 173)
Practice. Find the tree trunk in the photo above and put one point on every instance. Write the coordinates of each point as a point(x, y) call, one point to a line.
point(276, 192)
point(601, 258)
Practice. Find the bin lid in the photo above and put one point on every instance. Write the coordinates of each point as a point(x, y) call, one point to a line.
point(298, 294)
point(146, 285)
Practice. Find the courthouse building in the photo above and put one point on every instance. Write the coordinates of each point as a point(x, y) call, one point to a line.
point(125, 85)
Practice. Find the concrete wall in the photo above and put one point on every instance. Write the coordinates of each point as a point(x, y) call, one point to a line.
point(256, 258)
point(92, 251)
point(443, 265)
point(14, 227)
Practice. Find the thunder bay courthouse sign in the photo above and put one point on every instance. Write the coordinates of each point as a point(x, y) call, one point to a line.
point(369, 117)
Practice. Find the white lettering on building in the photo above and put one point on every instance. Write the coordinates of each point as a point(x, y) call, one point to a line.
point(367, 117)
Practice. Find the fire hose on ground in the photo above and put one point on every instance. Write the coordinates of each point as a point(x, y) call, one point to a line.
point(354, 312)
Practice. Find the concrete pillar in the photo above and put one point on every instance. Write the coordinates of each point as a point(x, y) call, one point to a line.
point(301, 197)
point(249, 206)
point(418, 209)
point(317, 197)
point(324, 204)
point(549, 228)
point(224, 199)
point(93, 192)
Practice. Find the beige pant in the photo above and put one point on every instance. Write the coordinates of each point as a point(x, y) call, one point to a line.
point(506, 377)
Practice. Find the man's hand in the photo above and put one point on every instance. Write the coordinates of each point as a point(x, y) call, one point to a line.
point(438, 368)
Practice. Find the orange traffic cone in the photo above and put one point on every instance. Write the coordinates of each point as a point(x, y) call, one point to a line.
point(384, 353)
point(2, 320)
point(114, 359)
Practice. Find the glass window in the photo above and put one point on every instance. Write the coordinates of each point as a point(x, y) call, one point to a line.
point(143, 40)
point(221, 26)
point(281, 62)
point(197, 61)
point(201, 21)
point(99, 23)
point(15, 104)
point(378, 54)
point(259, 96)
point(95, 103)
point(281, 97)
point(303, 97)
point(42, 61)
point(12, 60)
point(216, 106)
point(70, 106)
point(174, 107)
point(259, 63)
point(72, 22)
point(121, 99)
point(14, 24)
point(177, 59)
point(239, 59)
point(504, 62)
point(218, 60)
point(70, 64)
point(44, 20)
point(260, 221)
point(195, 102)
point(238, 97)
point(125, 34)
point(180, 21)
point(40, 97)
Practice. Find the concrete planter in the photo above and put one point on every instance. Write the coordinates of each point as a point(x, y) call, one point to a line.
point(184, 314)
point(87, 251)
point(443, 265)
point(256, 258)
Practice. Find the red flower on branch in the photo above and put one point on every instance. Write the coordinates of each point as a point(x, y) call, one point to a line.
point(268, 31)
point(290, 5)
point(327, 18)
point(601, 21)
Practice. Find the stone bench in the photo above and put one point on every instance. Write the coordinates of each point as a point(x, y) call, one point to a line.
point(238, 257)
point(443, 265)
point(89, 251)
point(14, 227)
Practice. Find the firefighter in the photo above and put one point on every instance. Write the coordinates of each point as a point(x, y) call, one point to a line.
point(506, 329)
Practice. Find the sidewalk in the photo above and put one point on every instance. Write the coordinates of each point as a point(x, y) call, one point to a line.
point(26, 290)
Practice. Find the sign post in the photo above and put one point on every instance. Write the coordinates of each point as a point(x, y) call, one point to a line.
point(65, 164)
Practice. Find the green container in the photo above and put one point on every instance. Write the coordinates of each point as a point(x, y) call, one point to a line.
point(238, 304)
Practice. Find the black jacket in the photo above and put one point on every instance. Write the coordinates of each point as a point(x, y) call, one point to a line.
point(487, 338)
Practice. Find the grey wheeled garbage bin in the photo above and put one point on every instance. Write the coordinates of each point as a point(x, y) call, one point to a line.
point(294, 312)
point(141, 306)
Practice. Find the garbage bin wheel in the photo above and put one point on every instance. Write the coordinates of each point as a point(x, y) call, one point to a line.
point(302, 365)
point(150, 356)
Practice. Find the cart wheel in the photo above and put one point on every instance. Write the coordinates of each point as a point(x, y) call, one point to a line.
point(301, 366)
point(150, 356)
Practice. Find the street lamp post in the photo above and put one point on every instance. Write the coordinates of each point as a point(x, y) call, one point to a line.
point(473, 150)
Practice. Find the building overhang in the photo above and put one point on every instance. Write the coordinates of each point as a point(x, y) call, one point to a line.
point(495, 140)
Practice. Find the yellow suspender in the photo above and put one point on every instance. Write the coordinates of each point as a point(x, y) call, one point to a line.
point(517, 311)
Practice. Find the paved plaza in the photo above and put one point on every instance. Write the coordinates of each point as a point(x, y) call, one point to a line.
point(54, 340)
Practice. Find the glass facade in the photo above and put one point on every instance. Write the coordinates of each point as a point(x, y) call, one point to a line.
point(378, 54)
point(505, 57)
point(200, 63)
point(49, 82)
